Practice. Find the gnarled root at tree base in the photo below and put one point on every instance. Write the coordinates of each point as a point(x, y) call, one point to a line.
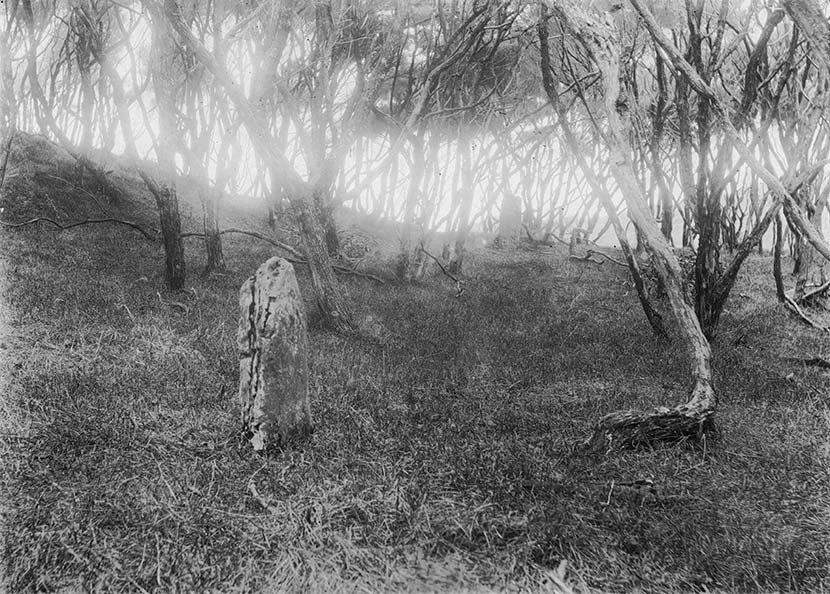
point(632, 429)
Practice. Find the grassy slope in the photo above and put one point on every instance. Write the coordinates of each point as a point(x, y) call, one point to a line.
point(443, 463)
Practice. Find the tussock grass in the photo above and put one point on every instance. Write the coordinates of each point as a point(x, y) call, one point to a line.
point(444, 462)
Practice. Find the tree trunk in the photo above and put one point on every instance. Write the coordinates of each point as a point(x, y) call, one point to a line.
point(663, 191)
point(466, 204)
point(689, 420)
point(331, 300)
point(550, 85)
point(273, 362)
point(164, 196)
point(809, 16)
point(684, 159)
point(171, 230)
point(780, 292)
point(164, 51)
point(213, 240)
point(405, 263)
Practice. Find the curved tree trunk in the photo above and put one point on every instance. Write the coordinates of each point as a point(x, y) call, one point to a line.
point(550, 85)
point(689, 420)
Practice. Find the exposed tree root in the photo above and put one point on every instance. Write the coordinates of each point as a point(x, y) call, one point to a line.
point(634, 429)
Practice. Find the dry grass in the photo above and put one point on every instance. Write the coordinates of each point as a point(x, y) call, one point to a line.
point(444, 463)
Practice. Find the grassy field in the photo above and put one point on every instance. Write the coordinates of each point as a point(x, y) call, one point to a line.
point(446, 461)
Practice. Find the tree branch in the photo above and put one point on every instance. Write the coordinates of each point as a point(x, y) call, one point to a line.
point(296, 257)
point(64, 227)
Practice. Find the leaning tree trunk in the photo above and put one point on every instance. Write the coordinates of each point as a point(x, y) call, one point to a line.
point(273, 357)
point(331, 300)
point(171, 229)
point(689, 420)
point(550, 85)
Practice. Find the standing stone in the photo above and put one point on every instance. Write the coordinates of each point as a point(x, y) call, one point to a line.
point(510, 221)
point(273, 357)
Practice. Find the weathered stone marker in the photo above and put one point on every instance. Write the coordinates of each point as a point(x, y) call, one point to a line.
point(273, 357)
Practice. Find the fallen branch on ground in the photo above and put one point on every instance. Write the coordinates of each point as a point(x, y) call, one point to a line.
point(587, 258)
point(459, 284)
point(296, 257)
point(812, 362)
point(816, 291)
point(63, 227)
point(793, 306)
point(352, 272)
point(545, 241)
point(607, 257)
point(441, 266)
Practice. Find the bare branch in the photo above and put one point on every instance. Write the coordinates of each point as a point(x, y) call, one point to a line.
point(64, 227)
point(296, 257)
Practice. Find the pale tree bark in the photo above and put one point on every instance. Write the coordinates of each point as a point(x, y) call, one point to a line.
point(809, 17)
point(658, 125)
point(550, 84)
point(404, 267)
point(689, 420)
